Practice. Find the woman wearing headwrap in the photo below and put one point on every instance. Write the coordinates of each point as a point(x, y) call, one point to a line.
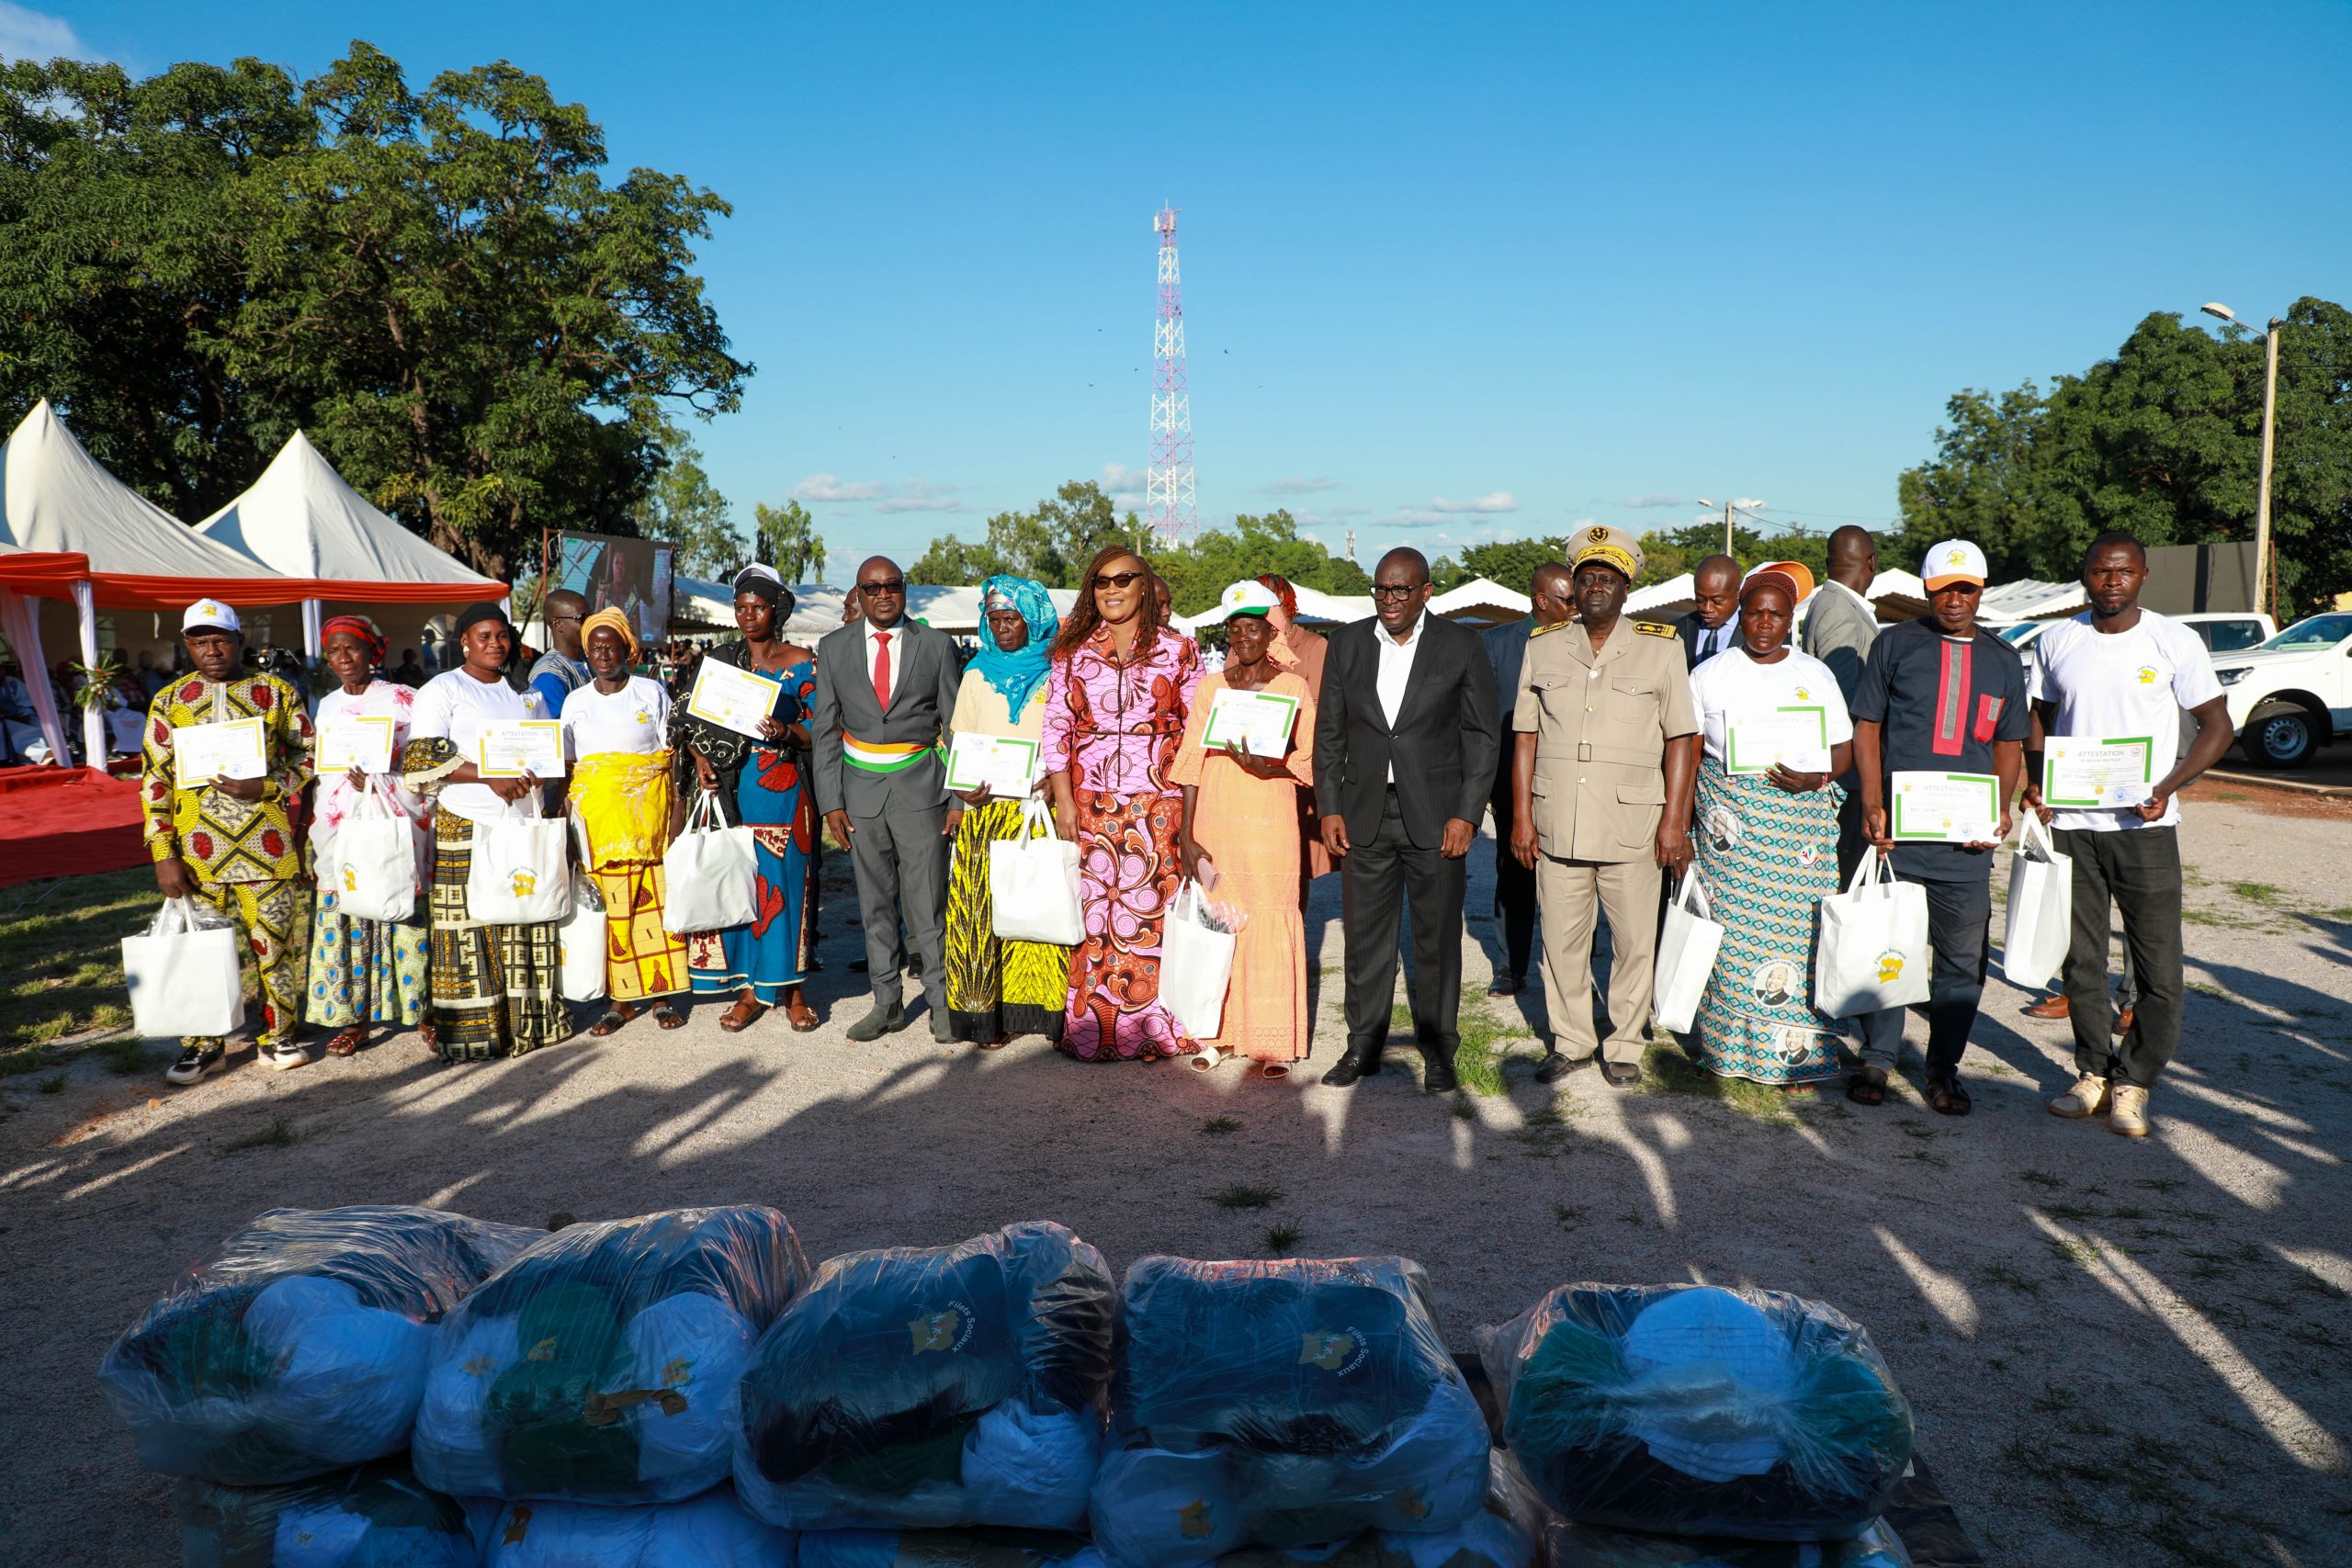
point(495, 987)
point(998, 990)
point(616, 729)
point(1302, 652)
point(362, 972)
point(1768, 846)
point(761, 782)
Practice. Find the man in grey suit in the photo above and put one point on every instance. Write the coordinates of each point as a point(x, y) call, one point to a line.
point(885, 690)
point(1839, 628)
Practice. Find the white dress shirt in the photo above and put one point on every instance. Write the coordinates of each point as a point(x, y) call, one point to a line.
point(1395, 670)
point(1724, 637)
point(898, 644)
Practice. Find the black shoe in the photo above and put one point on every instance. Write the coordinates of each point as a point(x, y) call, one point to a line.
point(884, 1019)
point(1505, 984)
point(1620, 1075)
point(857, 965)
point(194, 1065)
point(1350, 1068)
point(1554, 1067)
point(1437, 1073)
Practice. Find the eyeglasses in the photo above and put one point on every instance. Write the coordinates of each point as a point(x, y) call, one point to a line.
point(1115, 578)
point(1404, 590)
point(896, 585)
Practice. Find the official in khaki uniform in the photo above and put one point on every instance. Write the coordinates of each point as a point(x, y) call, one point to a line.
point(1608, 744)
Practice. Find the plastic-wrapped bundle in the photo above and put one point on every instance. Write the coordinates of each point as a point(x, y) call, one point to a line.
point(373, 1516)
point(975, 1546)
point(300, 1346)
point(713, 1530)
point(926, 1387)
point(1281, 1403)
point(1587, 1546)
point(1690, 1410)
point(598, 1366)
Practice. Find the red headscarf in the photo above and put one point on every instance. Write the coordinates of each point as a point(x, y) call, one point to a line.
point(358, 627)
point(1280, 589)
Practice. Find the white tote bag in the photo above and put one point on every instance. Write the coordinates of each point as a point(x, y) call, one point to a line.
point(183, 975)
point(375, 860)
point(2041, 922)
point(517, 877)
point(579, 945)
point(1196, 964)
point(1872, 953)
point(1033, 883)
point(1686, 956)
point(712, 874)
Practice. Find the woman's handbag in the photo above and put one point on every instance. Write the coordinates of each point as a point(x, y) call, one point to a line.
point(2040, 923)
point(1195, 962)
point(580, 945)
point(375, 860)
point(1033, 883)
point(1686, 956)
point(712, 874)
point(517, 875)
point(1872, 953)
point(183, 974)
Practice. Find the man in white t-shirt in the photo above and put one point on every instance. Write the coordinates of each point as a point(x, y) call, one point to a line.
point(2119, 672)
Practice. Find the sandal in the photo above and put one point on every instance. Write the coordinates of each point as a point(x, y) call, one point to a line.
point(430, 1034)
point(613, 1018)
point(999, 1043)
point(1275, 1071)
point(1946, 1098)
point(1206, 1062)
point(347, 1044)
point(739, 1017)
point(669, 1017)
point(799, 1013)
point(1867, 1085)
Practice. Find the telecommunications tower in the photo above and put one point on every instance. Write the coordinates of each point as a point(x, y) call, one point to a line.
point(1168, 482)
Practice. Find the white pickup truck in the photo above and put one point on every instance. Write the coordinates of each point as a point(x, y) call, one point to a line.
point(2292, 694)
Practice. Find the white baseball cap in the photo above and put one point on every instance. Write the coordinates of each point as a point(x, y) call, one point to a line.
point(1246, 597)
point(1954, 561)
point(209, 616)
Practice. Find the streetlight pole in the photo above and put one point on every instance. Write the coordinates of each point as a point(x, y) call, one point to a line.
point(2269, 435)
point(1729, 507)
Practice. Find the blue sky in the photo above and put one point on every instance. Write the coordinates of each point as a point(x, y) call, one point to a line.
point(1451, 272)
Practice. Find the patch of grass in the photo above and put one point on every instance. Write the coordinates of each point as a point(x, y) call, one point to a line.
point(2166, 1185)
point(1280, 1238)
point(125, 1057)
point(2257, 892)
point(1926, 1156)
point(1246, 1195)
point(2082, 1254)
point(1544, 1134)
point(55, 1084)
point(278, 1134)
point(61, 959)
point(2003, 1275)
point(2207, 988)
point(1480, 1062)
point(1219, 1126)
point(1667, 1068)
point(1568, 1216)
point(2042, 1178)
point(29, 1059)
point(1465, 1111)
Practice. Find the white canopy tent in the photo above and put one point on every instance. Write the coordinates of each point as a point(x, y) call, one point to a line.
point(1481, 601)
point(2029, 599)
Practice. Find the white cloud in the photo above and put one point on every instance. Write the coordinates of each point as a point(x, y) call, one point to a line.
point(30, 34)
point(1299, 484)
point(1495, 501)
point(1656, 498)
point(830, 487)
point(1119, 477)
point(916, 496)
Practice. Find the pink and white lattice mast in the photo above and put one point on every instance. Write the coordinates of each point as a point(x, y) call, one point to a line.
point(1168, 482)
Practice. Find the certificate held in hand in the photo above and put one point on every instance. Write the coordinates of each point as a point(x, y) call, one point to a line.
point(1258, 722)
point(360, 741)
point(230, 748)
point(2089, 774)
point(1005, 764)
point(510, 748)
point(1950, 809)
point(1797, 738)
point(731, 698)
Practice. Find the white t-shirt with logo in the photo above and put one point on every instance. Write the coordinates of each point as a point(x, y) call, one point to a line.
point(634, 720)
point(1730, 685)
point(2114, 684)
point(455, 707)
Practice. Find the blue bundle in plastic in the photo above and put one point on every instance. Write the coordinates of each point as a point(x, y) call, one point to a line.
point(1284, 1403)
point(928, 1387)
point(1589, 1545)
point(975, 1546)
point(713, 1530)
point(600, 1365)
point(1690, 1410)
point(300, 1346)
point(372, 1516)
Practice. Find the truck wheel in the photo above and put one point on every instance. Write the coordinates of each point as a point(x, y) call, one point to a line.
point(2279, 735)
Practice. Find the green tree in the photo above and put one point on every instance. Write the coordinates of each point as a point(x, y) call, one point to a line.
point(1510, 562)
point(1200, 568)
point(788, 541)
point(1052, 543)
point(686, 508)
point(1667, 553)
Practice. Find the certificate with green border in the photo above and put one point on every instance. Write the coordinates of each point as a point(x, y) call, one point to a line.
point(1797, 736)
point(1948, 808)
point(2097, 776)
point(1259, 722)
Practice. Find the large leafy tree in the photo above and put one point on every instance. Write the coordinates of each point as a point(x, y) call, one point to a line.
point(683, 506)
point(440, 285)
point(787, 540)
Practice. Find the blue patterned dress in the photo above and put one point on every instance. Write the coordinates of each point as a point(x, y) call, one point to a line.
point(1767, 858)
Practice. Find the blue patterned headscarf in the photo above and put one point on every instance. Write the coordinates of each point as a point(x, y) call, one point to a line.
point(1016, 675)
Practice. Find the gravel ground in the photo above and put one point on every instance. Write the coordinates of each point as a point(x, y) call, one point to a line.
point(2117, 1350)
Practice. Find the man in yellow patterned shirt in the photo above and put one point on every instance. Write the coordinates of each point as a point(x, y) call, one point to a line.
point(229, 842)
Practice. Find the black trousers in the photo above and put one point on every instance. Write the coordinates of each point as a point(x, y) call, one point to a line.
point(2139, 868)
point(1377, 877)
point(1514, 883)
point(1959, 915)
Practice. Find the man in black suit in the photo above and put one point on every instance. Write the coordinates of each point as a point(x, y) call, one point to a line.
point(1515, 884)
point(1406, 739)
point(1713, 624)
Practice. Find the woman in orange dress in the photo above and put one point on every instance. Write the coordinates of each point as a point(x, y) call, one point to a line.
point(1242, 817)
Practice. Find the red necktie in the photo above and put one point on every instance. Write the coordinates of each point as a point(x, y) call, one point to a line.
point(882, 669)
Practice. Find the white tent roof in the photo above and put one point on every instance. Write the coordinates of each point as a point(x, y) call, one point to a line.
point(302, 519)
point(1482, 599)
point(1674, 594)
point(56, 497)
point(2028, 600)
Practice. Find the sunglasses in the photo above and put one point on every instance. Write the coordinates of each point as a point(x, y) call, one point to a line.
point(1115, 578)
point(896, 585)
point(1395, 592)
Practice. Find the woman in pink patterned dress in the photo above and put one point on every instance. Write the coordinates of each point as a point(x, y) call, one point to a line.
point(1116, 705)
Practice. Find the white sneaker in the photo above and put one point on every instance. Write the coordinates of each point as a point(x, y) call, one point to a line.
point(2128, 1115)
point(192, 1065)
point(2087, 1098)
point(286, 1057)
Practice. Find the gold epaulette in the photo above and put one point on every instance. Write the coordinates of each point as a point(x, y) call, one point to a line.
point(1655, 628)
point(1554, 627)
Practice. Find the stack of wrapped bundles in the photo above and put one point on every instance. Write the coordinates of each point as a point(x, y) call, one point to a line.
point(370, 1515)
